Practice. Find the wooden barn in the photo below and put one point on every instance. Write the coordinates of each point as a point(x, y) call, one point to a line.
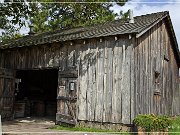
point(95, 75)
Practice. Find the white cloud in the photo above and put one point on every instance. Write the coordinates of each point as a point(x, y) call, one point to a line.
point(173, 6)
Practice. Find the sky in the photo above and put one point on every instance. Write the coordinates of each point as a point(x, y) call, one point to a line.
point(141, 7)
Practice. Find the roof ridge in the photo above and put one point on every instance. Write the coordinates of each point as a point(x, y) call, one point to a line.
point(119, 26)
point(154, 13)
point(101, 24)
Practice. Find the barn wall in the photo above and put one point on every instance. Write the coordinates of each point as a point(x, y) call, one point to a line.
point(105, 81)
point(156, 73)
point(105, 74)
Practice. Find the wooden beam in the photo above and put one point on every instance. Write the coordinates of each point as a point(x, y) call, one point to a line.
point(67, 98)
point(68, 73)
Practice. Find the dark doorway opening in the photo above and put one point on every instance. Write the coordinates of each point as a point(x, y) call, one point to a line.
point(35, 93)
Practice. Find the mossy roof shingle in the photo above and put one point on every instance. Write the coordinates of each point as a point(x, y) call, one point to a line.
point(116, 27)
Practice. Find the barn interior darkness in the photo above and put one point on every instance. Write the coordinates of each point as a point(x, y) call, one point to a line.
point(35, 93)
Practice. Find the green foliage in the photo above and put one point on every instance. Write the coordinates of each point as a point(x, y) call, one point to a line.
point(11, 33)
point(49, 15)
point(13, 13)
point(124, 15)
point(150, 122)
point(174, 128)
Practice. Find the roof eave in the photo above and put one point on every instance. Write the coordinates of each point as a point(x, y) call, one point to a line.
point(150, 26)
point(172, 31)
point(173, 36)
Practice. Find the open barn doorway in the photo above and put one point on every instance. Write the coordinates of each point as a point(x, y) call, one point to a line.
point(35, 93)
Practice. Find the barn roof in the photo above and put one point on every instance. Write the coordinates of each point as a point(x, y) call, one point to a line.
point(107, 29)
point(140, 26)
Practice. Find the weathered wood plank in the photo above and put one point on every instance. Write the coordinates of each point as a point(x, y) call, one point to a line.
point(7, 87)
point(109, 82)
point(68, 73)
point(88, 101)
point(119, 81)
point(94, 87)
point(132, 79)
point(71, 56)
point(90, 108)
point(126, 81)
point(105, 81)
point(100, 81)
point(60, 92)
point(83, 85)
point(114, 83)
point(106, 72)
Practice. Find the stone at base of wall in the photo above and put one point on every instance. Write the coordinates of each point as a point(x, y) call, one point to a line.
point(106, 126)
point(142, 131)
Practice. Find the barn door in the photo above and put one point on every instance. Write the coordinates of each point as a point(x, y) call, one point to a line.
point(66, 99)
point(7, 84)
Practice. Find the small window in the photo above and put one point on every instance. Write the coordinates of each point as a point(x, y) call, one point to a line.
point(157, 83)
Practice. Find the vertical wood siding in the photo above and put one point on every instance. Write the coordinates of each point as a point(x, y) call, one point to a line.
point(105, 80)
point(105, 74)
point(154, 53)
point(116, 79)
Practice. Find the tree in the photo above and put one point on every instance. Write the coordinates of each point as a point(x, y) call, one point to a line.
point(13, 16)
point(51, 15)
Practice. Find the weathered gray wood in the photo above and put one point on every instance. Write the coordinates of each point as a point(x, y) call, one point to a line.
point(68, 73)
point(132, 79)
point(109, 82)
point(99, 84)
point(105, 81)
point(62, 60)
point(126, 81)
point(94, 96)
point(149, 74)
point(71, 56)
point(115, 78)
point(77, 64)
point(153, 60)
point(83, 85)
point(7, 87)
point(119, 81)
point(64, 119)
point(66, 98)
point(114, 83)
point(60, 92)
point(90, 97)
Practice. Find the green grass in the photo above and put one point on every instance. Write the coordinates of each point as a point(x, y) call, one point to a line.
point(174, 129)
point(83, 129)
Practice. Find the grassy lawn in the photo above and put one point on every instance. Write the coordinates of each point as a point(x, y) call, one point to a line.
point(83, 129)
point(174, 129)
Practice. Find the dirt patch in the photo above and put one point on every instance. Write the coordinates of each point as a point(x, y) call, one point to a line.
point(35, 126)
point(29, 125)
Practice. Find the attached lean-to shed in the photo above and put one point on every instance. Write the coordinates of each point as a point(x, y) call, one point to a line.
point(97, 75)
